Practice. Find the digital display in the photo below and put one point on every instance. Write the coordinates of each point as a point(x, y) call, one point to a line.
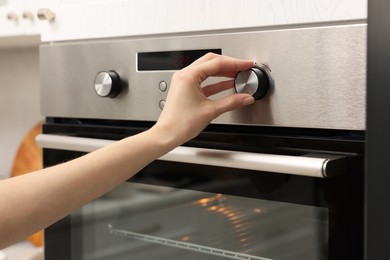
point(170, 60)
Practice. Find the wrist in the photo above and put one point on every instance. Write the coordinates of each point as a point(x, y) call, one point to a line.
point(165, 137)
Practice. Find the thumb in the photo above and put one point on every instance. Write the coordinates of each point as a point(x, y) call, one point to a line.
point(232, 102)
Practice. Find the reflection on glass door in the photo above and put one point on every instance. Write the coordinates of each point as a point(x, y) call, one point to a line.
point(139, 221)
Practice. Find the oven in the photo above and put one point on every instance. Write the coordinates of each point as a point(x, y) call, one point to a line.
point(280, 179)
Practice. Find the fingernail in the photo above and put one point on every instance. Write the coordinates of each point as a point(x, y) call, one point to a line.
point(248, 100)
point(254, 63)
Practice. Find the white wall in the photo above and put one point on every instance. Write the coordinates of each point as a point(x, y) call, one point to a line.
point(19, 100)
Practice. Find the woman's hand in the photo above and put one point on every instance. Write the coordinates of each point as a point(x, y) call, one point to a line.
point(188, 110)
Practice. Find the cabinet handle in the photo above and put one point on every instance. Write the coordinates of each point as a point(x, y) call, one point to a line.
point(28, 15)
point(12, 16)
point(46, 14)
point(314, 165)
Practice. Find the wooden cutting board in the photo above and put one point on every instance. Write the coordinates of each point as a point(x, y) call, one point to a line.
point(28, 159)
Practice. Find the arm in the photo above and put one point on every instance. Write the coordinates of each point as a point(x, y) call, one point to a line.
point(33, 201)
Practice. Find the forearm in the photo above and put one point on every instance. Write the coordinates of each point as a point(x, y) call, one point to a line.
point(41, 198)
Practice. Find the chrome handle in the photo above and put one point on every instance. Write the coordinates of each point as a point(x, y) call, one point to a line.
point(314, 165)
point(46, 14)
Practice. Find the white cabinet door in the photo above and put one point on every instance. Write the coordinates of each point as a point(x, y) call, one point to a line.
point(86, 19)
point(19, 25)
point(10, 18)
point(30, 21)
point(47, 24)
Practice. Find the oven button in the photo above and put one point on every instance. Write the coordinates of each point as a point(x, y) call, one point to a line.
point(161, 104)
point(107, 84)
point(163, 86)
point(255, 81)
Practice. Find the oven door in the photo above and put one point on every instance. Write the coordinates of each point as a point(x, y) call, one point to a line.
point(268, 196)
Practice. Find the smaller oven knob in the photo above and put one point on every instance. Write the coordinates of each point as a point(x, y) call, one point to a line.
point(256, 81)
point(107, 84)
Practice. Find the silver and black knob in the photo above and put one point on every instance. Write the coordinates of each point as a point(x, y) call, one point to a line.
point(256, 81)
point(107, 84)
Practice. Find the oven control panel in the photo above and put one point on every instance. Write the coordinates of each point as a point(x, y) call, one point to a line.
point(255, 81)
point(311, 77)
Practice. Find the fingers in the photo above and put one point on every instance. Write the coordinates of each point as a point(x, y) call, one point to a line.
point(220, 66)
point(213, 89)
point(204, 58)
point(232, 102)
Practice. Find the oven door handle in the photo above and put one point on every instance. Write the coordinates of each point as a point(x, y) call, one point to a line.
point(314, 165)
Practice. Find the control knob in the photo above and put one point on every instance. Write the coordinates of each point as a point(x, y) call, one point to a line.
point(107, 84)
point(256, 81)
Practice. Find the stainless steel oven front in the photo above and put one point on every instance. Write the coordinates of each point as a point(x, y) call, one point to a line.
point(281, 179)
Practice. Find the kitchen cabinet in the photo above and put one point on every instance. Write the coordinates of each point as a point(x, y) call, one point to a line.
point(87, 19)
point(19, 21)
point(10, 18)
point(19, 25)
point(31, 24)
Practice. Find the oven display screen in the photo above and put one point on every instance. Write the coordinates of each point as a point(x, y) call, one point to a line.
point(170, 60)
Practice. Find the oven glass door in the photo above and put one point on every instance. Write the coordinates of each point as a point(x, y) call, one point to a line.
point(143, 221)
point(180, 210)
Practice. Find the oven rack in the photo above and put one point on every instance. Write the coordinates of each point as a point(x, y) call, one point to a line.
point(184, 245)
